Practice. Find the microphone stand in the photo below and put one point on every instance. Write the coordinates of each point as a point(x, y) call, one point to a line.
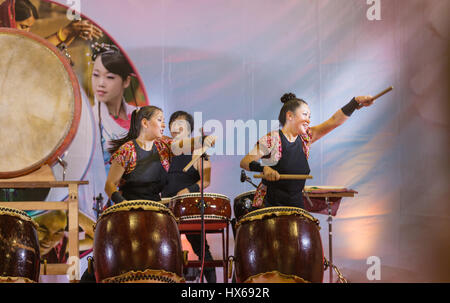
point(202, 213)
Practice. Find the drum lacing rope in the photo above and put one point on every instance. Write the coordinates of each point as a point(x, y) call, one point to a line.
point(136, 204)
point(275, 210)
point(13, 210)
point(196, 195)
point(142, 277)
point(148, 274)
point(341, 278)
point(17, 213)
point(198, 217)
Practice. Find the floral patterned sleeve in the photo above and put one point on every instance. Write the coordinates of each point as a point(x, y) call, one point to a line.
point(270, 146)
point(306, 142)
point(125, 156)
point(163, 146)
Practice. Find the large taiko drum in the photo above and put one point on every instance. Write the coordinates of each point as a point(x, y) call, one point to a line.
point(40, 103)
point(19, 247)
point(138, 242)
point(278, 245)
point(188, 206)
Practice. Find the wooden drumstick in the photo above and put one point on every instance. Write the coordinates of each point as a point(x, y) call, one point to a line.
point(383, 92)
point(287, 177)
point(195, 158)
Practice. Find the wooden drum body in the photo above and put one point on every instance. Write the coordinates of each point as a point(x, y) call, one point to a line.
point(278, 244)
point(138, 241)
point(40, 103)
point(186, 207)
point(19, 247)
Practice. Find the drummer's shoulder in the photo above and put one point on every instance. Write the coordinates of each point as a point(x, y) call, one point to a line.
point(274, 133)
point(165, 140)
point(127, 146)
point(269, 137)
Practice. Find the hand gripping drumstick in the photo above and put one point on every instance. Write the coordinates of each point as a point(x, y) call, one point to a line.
point(195, 158)
point(287, 177)
point(378, 96)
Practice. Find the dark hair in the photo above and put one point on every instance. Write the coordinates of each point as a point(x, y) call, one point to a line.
point(290, 104)
point(184, 114)
point(146, 112)
point(24, 9)
point(112, 59)
point(116, 63)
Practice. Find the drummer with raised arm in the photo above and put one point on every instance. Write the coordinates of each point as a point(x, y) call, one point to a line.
point(179, 182)
point(286, 151)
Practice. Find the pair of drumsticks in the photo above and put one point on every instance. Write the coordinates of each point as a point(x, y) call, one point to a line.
point(282, 176)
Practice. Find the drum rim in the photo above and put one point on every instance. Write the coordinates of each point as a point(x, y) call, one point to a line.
point(278, 273)
point(10, 279)
point(198, 195)
point(205, 216)
point(135, 275)
point(241, 195)
point(13, 212)
point(135, 205)
point(276, 211)
point(64, 143)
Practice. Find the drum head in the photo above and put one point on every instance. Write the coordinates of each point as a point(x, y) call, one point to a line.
point(40, 103)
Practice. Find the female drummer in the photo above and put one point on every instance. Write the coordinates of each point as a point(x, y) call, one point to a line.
point(140, 160)
point(111, 76)
point(181, 125)
point(22, 14)
point(179, 182)
point(286, 151)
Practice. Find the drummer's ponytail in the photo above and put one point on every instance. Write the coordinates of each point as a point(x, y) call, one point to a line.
point(135, 126)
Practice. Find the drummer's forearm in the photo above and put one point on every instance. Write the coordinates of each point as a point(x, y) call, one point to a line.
point(110, 188)
point(205, 175)
point(321, 130)
point(206, 178)
point(64, 34)
point(245, 162)
point(53, 39)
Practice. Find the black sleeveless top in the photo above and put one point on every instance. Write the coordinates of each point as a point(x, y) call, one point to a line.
point(177, 179)
point(293, 161)
point(147, 179)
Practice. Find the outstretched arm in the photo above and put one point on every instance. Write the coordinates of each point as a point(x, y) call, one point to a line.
point(83, 29)
point(340, 117)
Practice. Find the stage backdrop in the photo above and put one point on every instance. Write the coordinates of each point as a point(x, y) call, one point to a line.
point(232, 60)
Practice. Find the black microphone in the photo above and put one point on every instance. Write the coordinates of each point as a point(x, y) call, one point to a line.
point(243, 176)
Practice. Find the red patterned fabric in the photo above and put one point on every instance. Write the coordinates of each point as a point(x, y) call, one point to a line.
point(270, 145)
point(164, 150)
point(126, 155)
